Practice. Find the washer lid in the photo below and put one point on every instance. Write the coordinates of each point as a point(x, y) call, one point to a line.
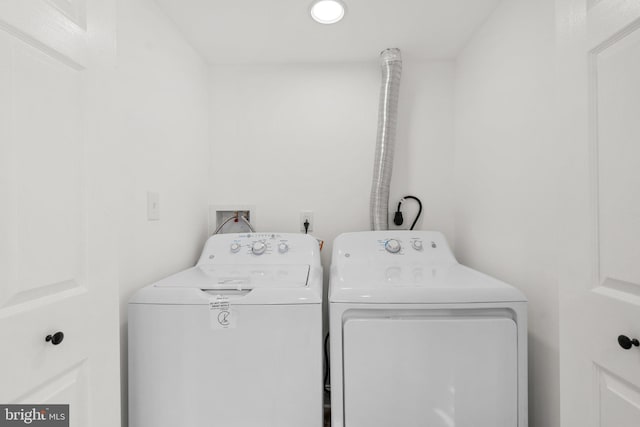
point(239, 277)
point(417, 284)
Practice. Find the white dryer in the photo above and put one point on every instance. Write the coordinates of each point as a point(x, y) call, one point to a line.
point(235, 341)
point(420, 340)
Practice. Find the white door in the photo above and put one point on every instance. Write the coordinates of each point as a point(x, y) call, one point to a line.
point(599, 140)
point(57, 248)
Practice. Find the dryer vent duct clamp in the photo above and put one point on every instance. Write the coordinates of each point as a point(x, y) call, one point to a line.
point(391, 63)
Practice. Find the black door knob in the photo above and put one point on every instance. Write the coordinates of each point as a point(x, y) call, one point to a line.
point(626, 342)
point(55, 339)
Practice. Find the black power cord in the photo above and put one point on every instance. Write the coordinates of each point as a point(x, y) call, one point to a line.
point(326, 363)
point(399, 220)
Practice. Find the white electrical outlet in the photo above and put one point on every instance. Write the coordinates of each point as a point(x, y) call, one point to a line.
point(304, 217)
point(153, 206)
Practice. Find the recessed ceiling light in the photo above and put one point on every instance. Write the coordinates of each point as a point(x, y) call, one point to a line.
point(327, 11)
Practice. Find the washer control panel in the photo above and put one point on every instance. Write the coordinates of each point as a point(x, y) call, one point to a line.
point(283, 247)
point(259, 247)
point(240, 248)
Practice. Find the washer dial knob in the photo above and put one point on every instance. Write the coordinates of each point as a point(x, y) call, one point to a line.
point(283, 248)
point(235, 247)
point(392, 246)
point(417, 245)
point(258, 248)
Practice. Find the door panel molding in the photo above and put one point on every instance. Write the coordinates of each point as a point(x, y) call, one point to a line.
point(619, 400)
point(74, 10)
point(606, 19)
point(45, 227)
point(56, 27)
point(52, 390)
point(70, 387)
point(39, 297)
point(613, 215)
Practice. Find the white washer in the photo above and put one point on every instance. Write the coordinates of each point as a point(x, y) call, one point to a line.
point(235, 341)
point(420, 340)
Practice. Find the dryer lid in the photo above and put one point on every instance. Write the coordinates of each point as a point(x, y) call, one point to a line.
point(418, 284)
point(239, 277)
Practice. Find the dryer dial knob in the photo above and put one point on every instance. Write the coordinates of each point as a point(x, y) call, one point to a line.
point(392, 246)
point(417, 245)
point(258, 248)
point(283, 248)
point(235, 247)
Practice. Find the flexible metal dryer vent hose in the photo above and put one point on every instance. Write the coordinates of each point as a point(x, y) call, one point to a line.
point(391, 63)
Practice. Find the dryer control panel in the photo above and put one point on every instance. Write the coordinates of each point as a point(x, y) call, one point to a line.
point(259, 248)
point(398, 247)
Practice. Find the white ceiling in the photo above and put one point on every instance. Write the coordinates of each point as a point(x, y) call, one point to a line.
point(277, 31)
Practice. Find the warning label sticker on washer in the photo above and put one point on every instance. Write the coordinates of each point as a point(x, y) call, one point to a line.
point(221, 314)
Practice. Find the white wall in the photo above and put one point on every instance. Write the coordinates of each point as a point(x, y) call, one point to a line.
point(163, 108)
point(298, 137)
point(302, 137)
point(505, 218)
